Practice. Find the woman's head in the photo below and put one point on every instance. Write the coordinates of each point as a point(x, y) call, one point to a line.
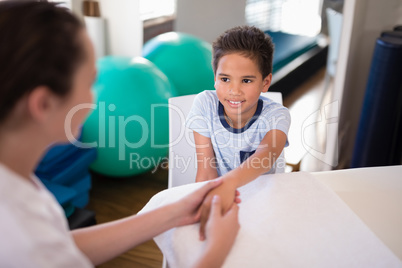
point(40, 45)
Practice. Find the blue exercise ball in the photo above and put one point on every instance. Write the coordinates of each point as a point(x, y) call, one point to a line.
point(129, 125)
point(185, 59)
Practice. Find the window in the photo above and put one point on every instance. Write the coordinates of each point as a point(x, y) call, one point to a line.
point(151, 9)
point(289, 16)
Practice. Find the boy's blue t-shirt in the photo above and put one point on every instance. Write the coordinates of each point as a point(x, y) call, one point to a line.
point(233, 146)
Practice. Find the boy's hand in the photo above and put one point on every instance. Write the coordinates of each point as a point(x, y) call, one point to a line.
point(228, 195)
point(188, 209)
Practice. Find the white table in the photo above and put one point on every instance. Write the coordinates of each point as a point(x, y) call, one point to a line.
point(347, 218)
point(375, 195)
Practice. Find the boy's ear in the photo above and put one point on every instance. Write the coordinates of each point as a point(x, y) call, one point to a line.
point(266, 83)
point(41, 102)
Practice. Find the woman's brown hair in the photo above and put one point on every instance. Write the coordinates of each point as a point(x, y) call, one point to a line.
point(39, 46)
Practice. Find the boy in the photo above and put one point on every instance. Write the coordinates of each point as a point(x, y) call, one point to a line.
point(238, 134)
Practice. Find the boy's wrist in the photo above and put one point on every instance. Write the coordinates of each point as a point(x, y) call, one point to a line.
point(230, 181)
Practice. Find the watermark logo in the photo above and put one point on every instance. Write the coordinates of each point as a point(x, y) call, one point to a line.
point(324, 122)
point(320, 134)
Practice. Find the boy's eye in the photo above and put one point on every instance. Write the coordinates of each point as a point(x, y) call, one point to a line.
point(225, 79)
point(247, 81)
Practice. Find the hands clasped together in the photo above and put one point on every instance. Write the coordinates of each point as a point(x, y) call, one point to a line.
point(215, 205)
point(219, 204)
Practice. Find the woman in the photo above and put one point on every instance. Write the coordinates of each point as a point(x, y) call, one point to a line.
point(47, 68)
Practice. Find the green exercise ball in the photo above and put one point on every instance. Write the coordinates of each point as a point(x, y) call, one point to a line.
point(185, 59)
point(129, 125)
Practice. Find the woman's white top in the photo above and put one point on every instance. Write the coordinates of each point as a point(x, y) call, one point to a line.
point(33, 229)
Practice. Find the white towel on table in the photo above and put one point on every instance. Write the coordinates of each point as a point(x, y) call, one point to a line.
point(287, 220)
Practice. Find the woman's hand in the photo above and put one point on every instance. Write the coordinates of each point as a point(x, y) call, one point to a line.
point(228, 196)
point(187, 210)
point(222, 228)
point(221, 231)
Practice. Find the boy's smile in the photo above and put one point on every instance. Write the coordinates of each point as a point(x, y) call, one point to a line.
point(238, 84)
point(235, 104)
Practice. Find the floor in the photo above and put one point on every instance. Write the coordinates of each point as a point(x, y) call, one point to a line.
point(113, 199)
point(116, 198)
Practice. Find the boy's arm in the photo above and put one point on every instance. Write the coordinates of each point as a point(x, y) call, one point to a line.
point(260, 162)
point(206, 161)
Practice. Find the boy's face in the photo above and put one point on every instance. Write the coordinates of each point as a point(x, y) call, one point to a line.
point(238, 84)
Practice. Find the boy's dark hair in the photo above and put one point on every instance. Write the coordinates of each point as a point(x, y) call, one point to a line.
point(39, 46)
point(248, 41)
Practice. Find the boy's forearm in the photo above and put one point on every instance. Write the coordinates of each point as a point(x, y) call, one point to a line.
point(256, 165)
point(260, 162)
point(204, 174)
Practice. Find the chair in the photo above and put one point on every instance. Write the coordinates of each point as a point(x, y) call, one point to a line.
point(182, 154)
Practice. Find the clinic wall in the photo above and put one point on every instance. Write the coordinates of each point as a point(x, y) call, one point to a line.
point(123, 26)
point(364, 20)
point(209, 18)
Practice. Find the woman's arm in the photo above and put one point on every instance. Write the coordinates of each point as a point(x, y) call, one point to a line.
point(221, 231)
point(206, 160)
point(105, 241)
point(257, 164)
